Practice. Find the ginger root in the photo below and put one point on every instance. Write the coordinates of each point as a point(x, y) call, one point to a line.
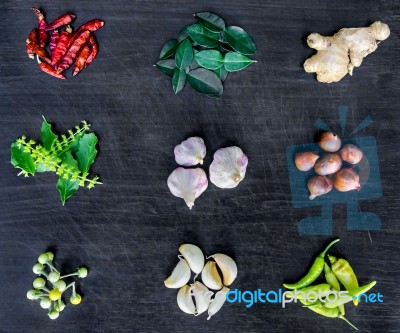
point(339, 54)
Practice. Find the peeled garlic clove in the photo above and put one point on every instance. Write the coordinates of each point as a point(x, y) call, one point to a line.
point(187, 184)
point(346, 180)
point(319, 185)
point(202, 297)
point(179, 276)
point(217, 302)
point(305, 161)
point(190, 152)
point(328, 164)
point(227, 266)
point(351, 153)
point(210, 276)
point(194, 256)
point(185, 300)
point(329, 141)
point(228, 167)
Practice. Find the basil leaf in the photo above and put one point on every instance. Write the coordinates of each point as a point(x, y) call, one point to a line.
point(178, 80)
point(46, 135)
point(202, 36)
point(21, 159)
point(211, 21)
point(222, 73)
point(169, 49)
point(210, 59)
point(239, 40)
point(87, 151)
point(206, 82)
point(184, 55)
point(65, 186)
point(234, 61)
point(167, 67)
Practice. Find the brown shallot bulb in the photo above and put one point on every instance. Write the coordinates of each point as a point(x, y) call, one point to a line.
point(346, 180)
point(351, 153)
point(319, 185)
point(305, 161)
point(328, 164)
point(329, 141)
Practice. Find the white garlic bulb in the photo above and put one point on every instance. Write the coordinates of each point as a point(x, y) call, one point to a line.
point(190, 152)
point(187, 184)
point(228, 167)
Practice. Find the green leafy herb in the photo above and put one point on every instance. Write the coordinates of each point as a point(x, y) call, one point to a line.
point(239, 40)
point(169, 49)
point(202, 36)
point(205, 82)
point(184, 55)
point(234, 61)
point(167, 67)
point(179, 80)
point(183, 34)
point(210, 59)
point(70, 156)
point(222, 73)
point(211, 21)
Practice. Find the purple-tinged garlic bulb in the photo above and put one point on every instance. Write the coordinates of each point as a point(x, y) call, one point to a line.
point(319, 185)
point(190, 152)
point(305, 161)
point(187, 184)
point(351, 153)
point(228, 168)
point(328, 164)
point(346, 180)
point(329, 142)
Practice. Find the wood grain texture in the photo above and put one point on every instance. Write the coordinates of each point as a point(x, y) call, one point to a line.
point(127, 231)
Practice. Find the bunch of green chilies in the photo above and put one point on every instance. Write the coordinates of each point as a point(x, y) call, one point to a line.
point(66, 47)
point(340, 271)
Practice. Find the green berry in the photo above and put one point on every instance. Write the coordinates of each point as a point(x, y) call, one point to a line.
point(53, 277)
point(43, 258)
point(54, 294)
point(60, 285)
point(39, 283)
point(33, 294)
point(37, 268)
point(75, 299)
point(82, 272)
point(50, 256)
point(53, 314)
point(45, 303)
point(59, 306)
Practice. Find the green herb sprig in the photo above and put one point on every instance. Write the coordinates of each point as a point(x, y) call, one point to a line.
point(70, 156)
point(205, 53)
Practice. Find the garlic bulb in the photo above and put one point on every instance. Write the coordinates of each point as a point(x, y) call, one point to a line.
point(187, 184)
point(329, 142)
point(202, 297)
point(179, 276)
point(305, 161)
point(227, 266)
point(319, 185)
point(328, 164)
point(346, 180)
point(228, 167)
point(217, 302)
point(210, 276)
point(190, 152)
point(194, 256)
point(185, 300)
point(351, 153)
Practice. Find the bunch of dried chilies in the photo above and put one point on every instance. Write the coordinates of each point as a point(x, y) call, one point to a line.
point(66, 46)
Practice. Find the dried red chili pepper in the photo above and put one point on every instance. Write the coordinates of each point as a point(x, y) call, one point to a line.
point(70, 56)
point(41, 27)
point(81, 59)
point(32, 40)
point(61, 21)
point(95, 50)
point(62, 46)
point(54, 40)
point(48, 69)
point(92, 26)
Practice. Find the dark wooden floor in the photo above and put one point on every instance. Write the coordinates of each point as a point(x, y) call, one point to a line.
point(127, 231)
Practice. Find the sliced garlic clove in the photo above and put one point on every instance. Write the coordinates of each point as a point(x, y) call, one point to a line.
point(179, 276)
point(194, 256)
point(185, 300)
point(202, 297)
point(228, 167)
point(227, 266)
point(217, 302)
point(190, 152)
point(187, 184)
point(210, 276)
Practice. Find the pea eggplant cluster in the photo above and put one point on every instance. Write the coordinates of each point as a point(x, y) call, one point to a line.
point(66, 47)
point(340, 272)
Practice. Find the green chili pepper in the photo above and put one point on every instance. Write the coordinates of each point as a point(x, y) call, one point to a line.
point(351, 296)
point(314, 271)
point(321, 290)
point(345, 274)
point(334, 283)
